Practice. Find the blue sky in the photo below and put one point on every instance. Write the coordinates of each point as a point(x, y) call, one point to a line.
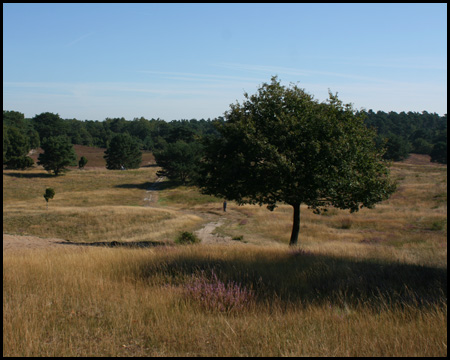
point(183, 61)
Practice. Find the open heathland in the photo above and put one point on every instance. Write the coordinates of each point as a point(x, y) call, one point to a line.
point(109, 279)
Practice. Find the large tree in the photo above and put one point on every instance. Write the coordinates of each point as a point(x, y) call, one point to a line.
point(123, 151)
point(58, 153)
point(282, 146)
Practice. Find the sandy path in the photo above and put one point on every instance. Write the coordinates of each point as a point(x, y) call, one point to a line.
point(17, 242)
point(14, 242)
point(151, 194)
point(207, 237)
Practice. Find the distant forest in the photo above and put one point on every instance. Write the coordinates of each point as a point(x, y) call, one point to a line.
point(400, 133)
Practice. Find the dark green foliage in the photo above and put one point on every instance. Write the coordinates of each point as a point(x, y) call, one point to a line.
point(19, 162)
point(179, 160)
point(78, 133)
point(116, 125)
point(58, 153)
point(17, 147)
point(18, 143)
point(49, 194)
point(19, 138)
point(98, 132)
point(413, 132)
point(421, 146)
point(154, 133)
point(439, 153)
point(187, 238)
point(49, 125)
point(281, 145)
point(5, 143)
point(123, 152)
point(397, 148)
point(83, 161)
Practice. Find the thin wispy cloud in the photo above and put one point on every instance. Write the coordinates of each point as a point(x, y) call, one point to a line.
point(97, 88)
point(174, 62)
point(278, 70)
point(77, 40)
point(197, 76)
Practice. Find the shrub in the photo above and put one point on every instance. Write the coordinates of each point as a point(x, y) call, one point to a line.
point(345, 223)
point(49, 194)
point(213, 295)
point(19, 162)
point(82, 163)
point(187, 237)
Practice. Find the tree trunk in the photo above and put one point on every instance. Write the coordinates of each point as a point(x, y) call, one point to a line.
point(295, 225)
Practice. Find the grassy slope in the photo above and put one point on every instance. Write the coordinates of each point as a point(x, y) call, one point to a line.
point(367, 284)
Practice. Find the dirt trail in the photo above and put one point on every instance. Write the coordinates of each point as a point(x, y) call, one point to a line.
point(17, 242)
point(14, 242)
point(206, 235)
point(151, 194)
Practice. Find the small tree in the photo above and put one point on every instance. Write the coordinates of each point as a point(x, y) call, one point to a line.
point(281, 145)
point(179, 160)
point(123, 151)
point(439, 152)
point(83, 161)
point(16, 150)
point(58, 153)
point(49, 193)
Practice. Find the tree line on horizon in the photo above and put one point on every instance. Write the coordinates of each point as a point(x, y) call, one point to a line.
point(279, 146)
point(400, 133)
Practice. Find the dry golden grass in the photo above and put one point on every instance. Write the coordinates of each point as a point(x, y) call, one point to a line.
point(372, 283)
point(411, 225)
point(110, 302)
point(89, 205)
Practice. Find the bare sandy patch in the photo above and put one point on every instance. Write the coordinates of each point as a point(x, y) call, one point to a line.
point(17, 242)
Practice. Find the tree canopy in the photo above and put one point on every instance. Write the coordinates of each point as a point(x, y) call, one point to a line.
point(282, 146)
point(179, 160)
point(19, 137)
point(58, 153)
point(123, 151)
point(16, 149)
point(49, 125)
point(400, 133)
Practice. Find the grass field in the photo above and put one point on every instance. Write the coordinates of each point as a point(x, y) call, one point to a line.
point(372, 283)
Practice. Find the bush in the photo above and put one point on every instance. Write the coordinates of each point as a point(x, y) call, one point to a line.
point(49, 194)
point(345, 224)
point(187, 238)
point(19, 162)
point(439, 153)
point(82, 163)
point(214, 295)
